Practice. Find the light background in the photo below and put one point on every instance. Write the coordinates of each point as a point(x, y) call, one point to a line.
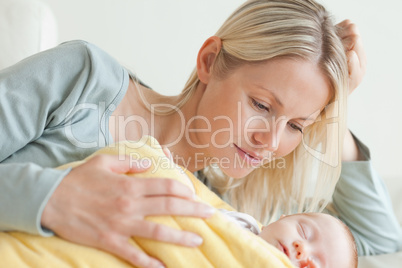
point(159, 40)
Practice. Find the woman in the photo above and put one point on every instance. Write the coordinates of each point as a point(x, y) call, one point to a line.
point(262, 85)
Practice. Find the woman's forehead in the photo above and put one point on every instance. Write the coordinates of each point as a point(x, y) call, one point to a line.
point(289, 81)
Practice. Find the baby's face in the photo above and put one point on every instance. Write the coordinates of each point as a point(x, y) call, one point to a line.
point(313, 240)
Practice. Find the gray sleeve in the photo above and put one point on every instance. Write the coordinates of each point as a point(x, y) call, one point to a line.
point(38, 92)
point(24, 191)
point(362, 202)
point(35, 94)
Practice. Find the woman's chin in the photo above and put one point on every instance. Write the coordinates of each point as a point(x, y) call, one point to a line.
point(237, 173)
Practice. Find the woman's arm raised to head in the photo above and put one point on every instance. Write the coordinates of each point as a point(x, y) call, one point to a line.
point(355, 52)
point(361, 199)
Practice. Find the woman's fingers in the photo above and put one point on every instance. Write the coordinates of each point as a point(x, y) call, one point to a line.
point(346, 27)
point(120, 246)
point(162, 205)
point(355, 71)
point(120, 164)
point(159, 232)
point(155, 186)
point(357, 61)
point(144, 187)
point(353, 42)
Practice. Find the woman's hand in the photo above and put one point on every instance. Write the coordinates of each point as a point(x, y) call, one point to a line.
point(357, 62)
point(98, 206)
point(355, 53)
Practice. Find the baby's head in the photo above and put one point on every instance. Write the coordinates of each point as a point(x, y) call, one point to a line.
point(314, 240)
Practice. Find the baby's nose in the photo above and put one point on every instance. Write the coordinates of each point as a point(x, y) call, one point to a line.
point(300, 250)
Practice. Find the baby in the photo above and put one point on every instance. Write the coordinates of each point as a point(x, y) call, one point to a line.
point(310, 240)
point(314, 240)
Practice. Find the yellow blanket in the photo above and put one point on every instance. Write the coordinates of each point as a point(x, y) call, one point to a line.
point(225, 244)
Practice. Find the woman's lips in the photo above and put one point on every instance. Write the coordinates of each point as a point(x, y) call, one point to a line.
point(248, 156)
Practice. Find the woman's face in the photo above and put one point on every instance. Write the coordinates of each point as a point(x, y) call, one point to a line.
point(258, 112)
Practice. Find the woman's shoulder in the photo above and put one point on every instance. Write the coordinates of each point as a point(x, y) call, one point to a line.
point(82, 50)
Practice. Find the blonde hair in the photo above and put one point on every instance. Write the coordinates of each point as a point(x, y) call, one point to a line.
point(260, 30)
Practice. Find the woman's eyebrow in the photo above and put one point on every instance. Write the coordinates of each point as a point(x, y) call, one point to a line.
point(306, 119)
point(277, 100)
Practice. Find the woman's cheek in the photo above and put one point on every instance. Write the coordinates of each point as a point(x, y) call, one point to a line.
point(287, 146)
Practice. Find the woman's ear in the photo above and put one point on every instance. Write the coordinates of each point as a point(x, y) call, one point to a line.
point(206, 57)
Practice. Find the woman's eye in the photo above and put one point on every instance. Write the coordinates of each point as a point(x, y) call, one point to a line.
point(259, 106)
point(295, 127)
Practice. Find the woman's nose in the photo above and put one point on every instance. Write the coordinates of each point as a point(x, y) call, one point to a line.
point(270, 136)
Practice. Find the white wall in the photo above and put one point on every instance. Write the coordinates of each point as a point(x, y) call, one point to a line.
point(159, 40)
